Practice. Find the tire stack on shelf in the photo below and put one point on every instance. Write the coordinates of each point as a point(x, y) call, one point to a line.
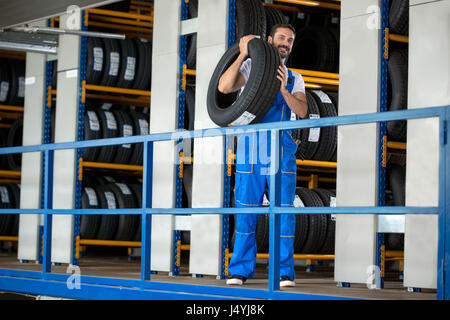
point(116, 64)
point(9, 198)
point(106, 192)
point(313, 233)
point(12, 92)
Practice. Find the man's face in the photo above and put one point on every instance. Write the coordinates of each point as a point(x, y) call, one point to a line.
point(282, 40)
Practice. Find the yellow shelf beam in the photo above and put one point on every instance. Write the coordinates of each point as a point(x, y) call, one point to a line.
point(10, 174)
point(398, 38)
point(11, 108)
point(119, 14)
point(9, 238)
point(315, 163)
point(94, 242)
point(396, 145)
point(313, 4)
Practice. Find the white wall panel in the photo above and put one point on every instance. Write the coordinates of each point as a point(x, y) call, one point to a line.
point(428, 85)
point(66, 124)
point(30, 191)
point(207, 184)
point(163, 118)
point(357, 144)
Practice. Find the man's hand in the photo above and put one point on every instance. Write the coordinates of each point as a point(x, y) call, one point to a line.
point(282, 76)
point(243, 45)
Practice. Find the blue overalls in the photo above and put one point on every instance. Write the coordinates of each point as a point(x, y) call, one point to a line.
point(252, 174)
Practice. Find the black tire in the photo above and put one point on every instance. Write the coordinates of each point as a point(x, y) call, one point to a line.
point(301, 229)
point(92, 131)
point(140, 127)
point(335, 99)
point(307, 149)
point(329, 243)
point(191, 56)
point(125, 126)
point(398, 89)
point(110, 129)
point(259, 93)
point(15, 192)
point(111, 64)
point(3, 143)
point(127, 225)
point(136, 189)
point(273, 17)
point(14, 140)
point(6, 201)
point(89, 224)
point(262, 233)
point(396, 176)
point(17, 84)
point(95, 57)
point(5, 81)
point(317, 222)
point(189, 114)
point(143, 74)
point(328, 135)
point(250, 19)
point(314, 49)
point(395, 241)
point(108, 223)
point(399, 17)
point(128, 58)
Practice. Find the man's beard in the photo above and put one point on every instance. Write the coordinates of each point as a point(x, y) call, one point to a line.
point(283, 55)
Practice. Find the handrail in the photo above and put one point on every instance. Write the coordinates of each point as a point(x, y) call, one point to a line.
point(274, 210)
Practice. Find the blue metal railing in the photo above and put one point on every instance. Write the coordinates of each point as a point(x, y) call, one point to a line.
point(105, 288)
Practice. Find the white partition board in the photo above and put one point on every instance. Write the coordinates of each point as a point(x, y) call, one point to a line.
point(66, 123)
point(163, 118)
point(356, 183)
point(428, 79)
point(207, 184)
point(33, 130)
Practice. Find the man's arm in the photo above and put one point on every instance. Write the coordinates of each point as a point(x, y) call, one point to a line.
point(297, 102)
point(232, 80)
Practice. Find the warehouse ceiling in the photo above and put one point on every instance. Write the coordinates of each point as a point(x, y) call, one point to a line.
point(19, 12)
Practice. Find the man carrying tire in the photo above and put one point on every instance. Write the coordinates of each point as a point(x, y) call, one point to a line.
point(252, 172)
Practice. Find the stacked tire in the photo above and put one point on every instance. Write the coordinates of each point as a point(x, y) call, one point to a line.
point(9, 199)
point(318, 143)
point(119, 63)
point(313, 233)
point(12, 82)
point(259, 93)
point(104, 192)
point(116, 122)
point(315, 48)
point(397, 92)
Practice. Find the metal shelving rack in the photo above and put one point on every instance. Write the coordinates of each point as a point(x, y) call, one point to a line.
point(12, 113)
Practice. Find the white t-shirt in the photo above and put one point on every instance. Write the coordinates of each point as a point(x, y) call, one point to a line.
point(299, 83)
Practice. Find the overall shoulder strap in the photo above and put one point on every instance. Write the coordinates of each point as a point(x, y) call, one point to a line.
point(290, 81)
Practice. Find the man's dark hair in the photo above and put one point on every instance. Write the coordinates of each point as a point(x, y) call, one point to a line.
point(281, 25)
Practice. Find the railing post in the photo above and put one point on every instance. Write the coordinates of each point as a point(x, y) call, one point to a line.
point(48, 204)
point(275, 201)
point(146, 228)
point(443, 272)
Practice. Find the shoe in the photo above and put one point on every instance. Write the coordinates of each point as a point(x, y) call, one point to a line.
point(285, 281)
point(236, 280)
